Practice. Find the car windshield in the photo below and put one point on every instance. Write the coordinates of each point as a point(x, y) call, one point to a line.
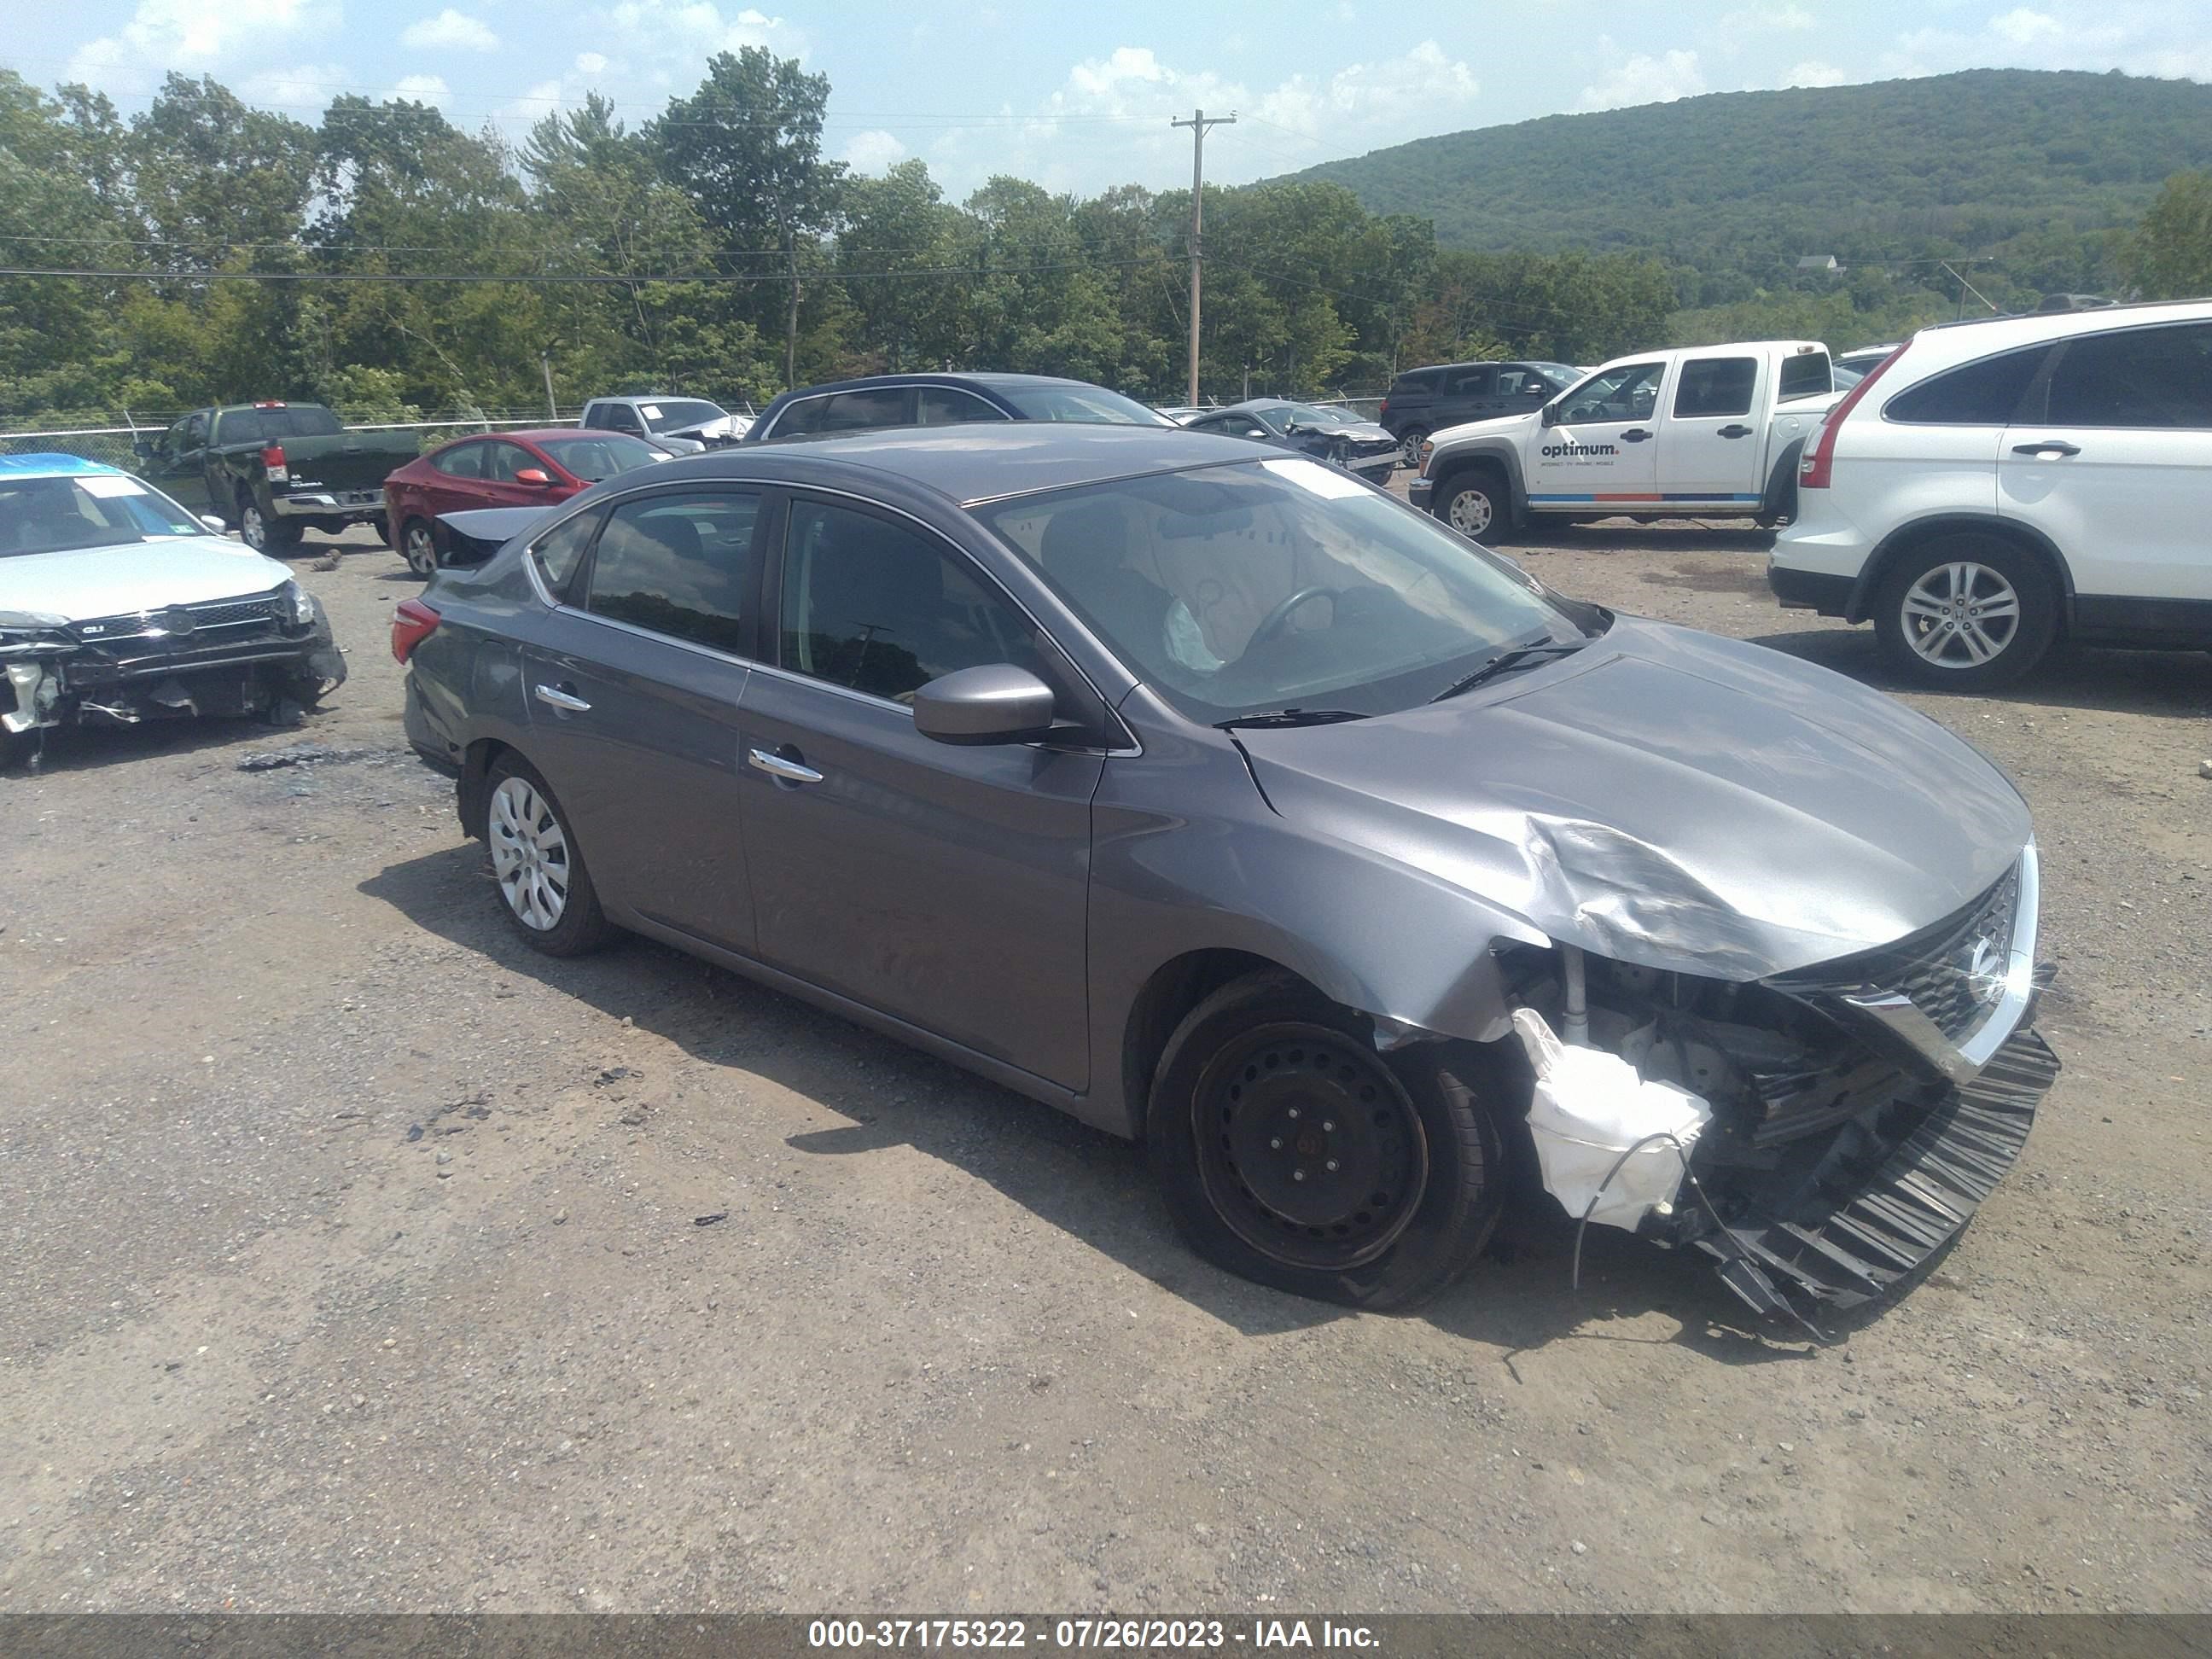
point(600, 454)
point(1086, 405)
point(49, 515)
point(677, 413)
point(1276, 585)
point(1317, 415)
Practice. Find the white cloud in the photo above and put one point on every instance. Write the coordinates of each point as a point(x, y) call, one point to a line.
point(1813, 73)
point(1761, 20)
point(873, 151)
point(450, 31)
point(194, 35)
point(2169, 37)
point(1643, 79)
point(299, 90)
point(674, 35)
point(424, 89)
point(591, 63)
point(2023, 28)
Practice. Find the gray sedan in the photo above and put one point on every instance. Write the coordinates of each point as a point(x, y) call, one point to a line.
point(1233, 806)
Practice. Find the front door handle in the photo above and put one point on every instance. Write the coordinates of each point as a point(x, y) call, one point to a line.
point(567, 701)
point(2048, 446)
point(783, 767)
point(1635, 434)
point(1735, 432)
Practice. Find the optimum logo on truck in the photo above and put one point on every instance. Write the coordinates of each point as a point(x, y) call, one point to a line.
point(1556, 452)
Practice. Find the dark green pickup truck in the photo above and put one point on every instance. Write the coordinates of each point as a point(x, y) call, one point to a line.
point(272, 469)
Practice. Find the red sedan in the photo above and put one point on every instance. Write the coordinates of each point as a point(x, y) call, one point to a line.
point(505, 469)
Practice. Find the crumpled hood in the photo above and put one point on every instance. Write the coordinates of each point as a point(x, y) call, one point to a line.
point(85, 582)
point(1671, 799)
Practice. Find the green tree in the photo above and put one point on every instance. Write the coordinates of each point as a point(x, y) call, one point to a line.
point(2170, 255)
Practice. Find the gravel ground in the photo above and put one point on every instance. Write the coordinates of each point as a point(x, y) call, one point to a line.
point(356, 1258)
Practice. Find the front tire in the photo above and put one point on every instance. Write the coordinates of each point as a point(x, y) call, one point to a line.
point(1291, 1153)
point(1968, 611)
point(1472, 502)
point(418, 546)
point(543, 884)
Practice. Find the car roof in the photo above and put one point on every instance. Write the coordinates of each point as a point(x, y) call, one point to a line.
point(51, 465)
point(948, 377)
point(538, 435)
point(973, 463)
point(1943, 345)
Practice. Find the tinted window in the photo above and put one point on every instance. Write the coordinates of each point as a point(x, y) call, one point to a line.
point(2145, 377)
point(799, 418)
point(1715, 385)
point(876, 606)
point(239, 426)
point(1091, 405)
point(945, 405)
point(1523, 383)
point(1985, 393)
point(1805, 375)
point(865, 411)
point(1630, 392)
point(593, 458)
point(461, 461)
point(1423, 381)
point(558, 551)
point(502, 461)
point(1471, 383)
point(680, 565)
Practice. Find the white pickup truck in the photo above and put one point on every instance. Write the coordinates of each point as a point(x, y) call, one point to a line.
point(1697, 430)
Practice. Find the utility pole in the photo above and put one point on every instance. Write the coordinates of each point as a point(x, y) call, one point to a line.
point(1198, 123)
point(545, 362)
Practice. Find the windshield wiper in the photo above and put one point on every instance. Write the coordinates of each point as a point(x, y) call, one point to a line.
point(1290, 717)
point(1505, 660)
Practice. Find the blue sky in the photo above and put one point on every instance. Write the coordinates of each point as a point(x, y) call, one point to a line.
point(1078, 97)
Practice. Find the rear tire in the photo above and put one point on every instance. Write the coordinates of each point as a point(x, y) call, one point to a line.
point(1968, 611)
point(1409, 445)
point(1291, 1153)
point(1473, 500)
point(418, 546)
point(544, 886)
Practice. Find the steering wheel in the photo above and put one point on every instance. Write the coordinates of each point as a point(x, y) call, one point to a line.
point(1274, 622)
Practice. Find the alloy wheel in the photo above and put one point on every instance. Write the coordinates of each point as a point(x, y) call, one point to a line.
point(1470, 511)
point(1308, 1147)
point(1409, 448)
point(252, 528)
point(1959, 614)
point(529, 854)
point(421, 551)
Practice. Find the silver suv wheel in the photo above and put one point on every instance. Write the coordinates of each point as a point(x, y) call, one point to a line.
point(1959, 614)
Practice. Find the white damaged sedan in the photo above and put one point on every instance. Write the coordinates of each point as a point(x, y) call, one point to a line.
point(118, 605)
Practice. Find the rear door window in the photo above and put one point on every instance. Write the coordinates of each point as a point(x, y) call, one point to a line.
point(946, 405)
point(1986, 394)
point(2156, 379)
point(1471, 382)
point(461, 461)
point(1715, 385)
point(680, 565)
point(867, 411)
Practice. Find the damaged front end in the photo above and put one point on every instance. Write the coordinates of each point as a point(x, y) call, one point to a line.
point(270, 654)
point(1859, 1110)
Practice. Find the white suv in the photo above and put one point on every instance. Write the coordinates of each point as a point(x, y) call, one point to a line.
point(1994, 486)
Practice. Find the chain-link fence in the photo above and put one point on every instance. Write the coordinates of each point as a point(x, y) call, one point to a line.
point(117, 445)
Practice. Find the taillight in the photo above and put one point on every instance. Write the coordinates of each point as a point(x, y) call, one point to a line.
point(272, 463)
point(412, 622)
point(1383, 410)
point(1820, 459)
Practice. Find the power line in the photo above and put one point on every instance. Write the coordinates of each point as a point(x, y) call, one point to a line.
point(560, 279)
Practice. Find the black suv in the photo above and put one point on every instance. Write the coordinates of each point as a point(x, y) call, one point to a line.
point(1426, 400)
point(886, 400)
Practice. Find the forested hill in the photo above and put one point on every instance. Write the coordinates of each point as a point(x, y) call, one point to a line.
point(1969, 159)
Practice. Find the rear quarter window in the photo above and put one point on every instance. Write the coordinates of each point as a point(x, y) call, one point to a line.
point(1805, 375)
point(1984, 394)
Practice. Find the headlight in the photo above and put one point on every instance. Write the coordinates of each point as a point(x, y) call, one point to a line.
point(299, 602)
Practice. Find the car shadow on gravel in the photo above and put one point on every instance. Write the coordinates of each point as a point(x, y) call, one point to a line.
point(2159, 684)
point(1091, 1186)
point(83, 748)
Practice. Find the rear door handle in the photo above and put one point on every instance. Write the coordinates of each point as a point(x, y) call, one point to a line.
point(783, 767)
point(1635, 434)
point(1735, 432)
point(567, 701)
point(2048, 446)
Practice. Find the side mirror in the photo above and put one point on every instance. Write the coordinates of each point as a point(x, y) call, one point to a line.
point(1551, 415)
point(143, 448)
point(995, 703)
point(533, 475)
point(214, 524)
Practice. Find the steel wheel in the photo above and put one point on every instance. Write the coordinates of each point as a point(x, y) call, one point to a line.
point(1470, 510)
point(420, 549)
point(1308, 1148)
point(1959, 614)
point(529, 855)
